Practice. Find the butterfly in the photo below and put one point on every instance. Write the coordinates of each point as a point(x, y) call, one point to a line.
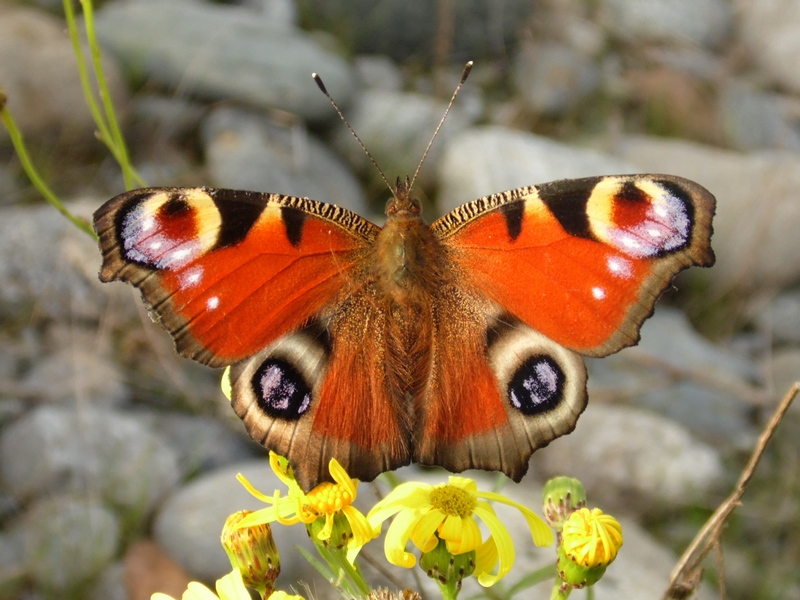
point(456, 344)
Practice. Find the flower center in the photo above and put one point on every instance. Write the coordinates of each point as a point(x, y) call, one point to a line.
point(452, 500)
point(328, 498)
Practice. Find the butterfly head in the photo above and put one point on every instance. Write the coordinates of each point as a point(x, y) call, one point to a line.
point(403, 204)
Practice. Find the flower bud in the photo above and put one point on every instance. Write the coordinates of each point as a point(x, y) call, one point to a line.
point(561, 497)
point(252, 552)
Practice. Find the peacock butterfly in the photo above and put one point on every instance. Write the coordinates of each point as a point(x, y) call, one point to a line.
point(455, 344)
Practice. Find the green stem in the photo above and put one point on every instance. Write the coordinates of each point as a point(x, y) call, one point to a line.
point(449, 590)
point(32, 173)
point(558, 592)
point(107, 126)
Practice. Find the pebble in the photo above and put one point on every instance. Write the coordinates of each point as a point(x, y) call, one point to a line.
point(680, 22)
point(554, 78)
point(396, 127)
point(224, 52)
point(67, 541)
point(769, 30)
point(245, 150)
point(779, 317)
point(757, 120)
point(626, 456)
point(490, 159)
point(54, 450)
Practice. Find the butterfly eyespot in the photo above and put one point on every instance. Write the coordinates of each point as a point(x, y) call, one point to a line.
point(281, 390)
point(537, 386)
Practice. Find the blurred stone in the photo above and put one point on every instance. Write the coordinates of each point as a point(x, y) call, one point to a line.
point(54, 450)
point(628, 458)
point(770, 30)
point(486, 160)
point(55, 265)
point(82, 370)
point(247, 151)
point(396, 127)
point(40, 78)
point(224, 52)
point(408, 32)
point(679, 374)
point(189, 523)
point(554, 78)
point(757, 210)
point(755, 120)
point(779, 317)
point(202, 444)
point(783, 368)
point(704, 22)
point(67, 541)
point(378, 72)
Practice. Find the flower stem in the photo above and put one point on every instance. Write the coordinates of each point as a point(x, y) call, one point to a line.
point(560, 592)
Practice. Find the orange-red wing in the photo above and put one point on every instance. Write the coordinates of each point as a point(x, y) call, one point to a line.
point(582, 261)
point(227, 272)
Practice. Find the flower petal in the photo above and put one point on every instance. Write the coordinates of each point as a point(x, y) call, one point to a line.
point(502, 539)
point(410, 495)
point(468, 539)
point(486, 556)
point(422, 534)
point(197, 591)
point(341, 477)
point(394, 546)
point(541, 532)
point(362, 530)
point(231, 587)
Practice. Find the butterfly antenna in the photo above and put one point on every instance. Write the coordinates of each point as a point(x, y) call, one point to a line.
point(324, 90)
point(464, 75)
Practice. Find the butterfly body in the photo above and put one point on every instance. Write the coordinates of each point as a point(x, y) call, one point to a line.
point(456, 344)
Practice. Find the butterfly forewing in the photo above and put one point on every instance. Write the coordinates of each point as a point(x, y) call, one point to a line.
point(228, 272)
point(582, 261)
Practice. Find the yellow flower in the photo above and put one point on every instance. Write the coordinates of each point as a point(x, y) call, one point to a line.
point(331, 502)
point(591, 538)
point(426, 514)
point(230, 587)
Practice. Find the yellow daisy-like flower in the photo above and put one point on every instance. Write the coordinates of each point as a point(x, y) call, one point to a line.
point(427, 513)
point(329, 501)
point(591, 538)
point(230, 587)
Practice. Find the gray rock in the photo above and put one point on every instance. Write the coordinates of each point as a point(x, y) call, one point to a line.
point(784, 371)
point(189, 523)
point(201, 443)
point(55, 265)
point(378, 72)
point(769, 29)
point(757, 209)
point(779, 317)
point(755, 120)
point(67, 541)
point(487, 160)
point(554, 78)
point(82, 369)
point(55, 450)
point(625, 456)
point(110, 584)
point(704, 22)
point(396, 127)
point(10, 189)
point(37, 68)
point(679, 374)
point(224, 52)
point(244, 150)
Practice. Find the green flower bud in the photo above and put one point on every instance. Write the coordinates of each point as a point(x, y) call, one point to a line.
point(447, 569)
point(561, 497)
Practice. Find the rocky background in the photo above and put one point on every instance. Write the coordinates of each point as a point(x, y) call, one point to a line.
point(117, 458)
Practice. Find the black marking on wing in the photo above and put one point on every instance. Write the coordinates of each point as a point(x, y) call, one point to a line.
point(567, 200)
point(513, 214)
point(238, 211)
point(294, 221)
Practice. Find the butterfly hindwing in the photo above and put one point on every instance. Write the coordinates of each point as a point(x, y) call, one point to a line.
point(582, 261)
point(226, 271)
